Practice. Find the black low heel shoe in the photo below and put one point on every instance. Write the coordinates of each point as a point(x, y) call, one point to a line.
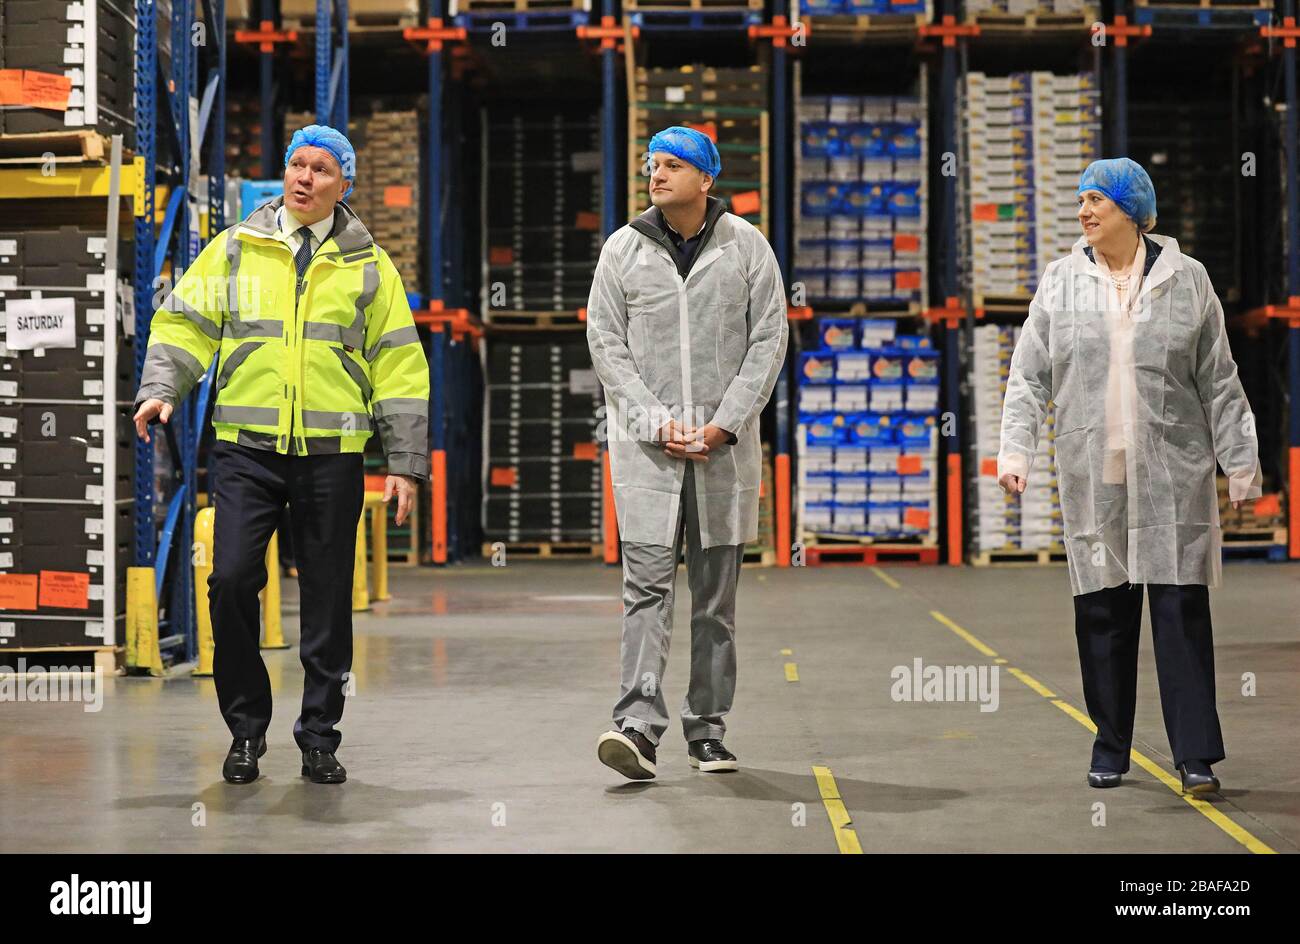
point(1101, 779)
point(1199, 780)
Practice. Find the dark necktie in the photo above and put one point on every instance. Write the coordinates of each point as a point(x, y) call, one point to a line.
point(303, 256)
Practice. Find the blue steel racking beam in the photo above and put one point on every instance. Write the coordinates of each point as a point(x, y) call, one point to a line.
point(146, 60)
point(332, 65)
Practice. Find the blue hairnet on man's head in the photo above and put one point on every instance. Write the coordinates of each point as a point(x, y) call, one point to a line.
point(694, 147)
point(332, 140)
point(1127, 184)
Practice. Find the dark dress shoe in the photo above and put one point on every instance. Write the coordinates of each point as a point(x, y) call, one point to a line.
point(241, 760)
point(629, 752)
point(710, 756)
point(1101, 779)
point(1198, 778)
point(321, 767)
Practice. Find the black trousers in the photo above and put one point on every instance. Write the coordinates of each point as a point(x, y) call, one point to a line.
point(324, 493)
point(1106, 625)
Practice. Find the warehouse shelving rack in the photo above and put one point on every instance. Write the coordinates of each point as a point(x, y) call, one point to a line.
point(177, 242)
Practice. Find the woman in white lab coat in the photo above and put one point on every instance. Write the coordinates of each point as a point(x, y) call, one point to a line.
point(1126, 336)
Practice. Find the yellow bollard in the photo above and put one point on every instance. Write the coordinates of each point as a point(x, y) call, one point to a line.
point(203, 523)
point(379, 544)
point(142, 650)
point(272, 625)
point(360, 586)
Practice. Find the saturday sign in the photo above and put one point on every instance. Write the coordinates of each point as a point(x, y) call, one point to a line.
point(40, 322)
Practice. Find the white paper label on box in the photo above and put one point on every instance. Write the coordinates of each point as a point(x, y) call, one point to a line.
point(95, 421)
point(96, 245)
point(8, 425)
point(675, 93)
point(583, 381)
point(8, 281)
point(93, 348)
point(8, 488)
point(6, 559)
point(94, 455)
point(94, 558)
point(32, 323)
point(94, 525)
point(95, 591)
point(95, 280)
point(75, 11)
point(8, 455)
point(76, 98)
point(94, 493)
point(126, 308)
point(94, 316)
point(8, 630)
point(585, 161)
point(8, 247)
point(92, 388)
point(6, 525)
point(95, 629)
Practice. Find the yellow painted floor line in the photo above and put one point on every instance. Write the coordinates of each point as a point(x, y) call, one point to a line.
point(890, 581)
point(791, 672)
point(985, 650)
point(787, 652)
point(1208, 810)
point(845, 838)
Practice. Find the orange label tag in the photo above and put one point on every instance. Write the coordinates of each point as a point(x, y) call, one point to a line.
point(1268, 505)
point(46, 90)
point(909, 465)
point(587, 220)
point(584, 450)
point(397, 196)
point(65, 588)
point(746, 203)
point(503, 475)
point(916, 518)
point(989, 466)
point(11, 86)
point(708, 127)
point(501, 255)
point(907, 279)
point(985, 211)
point(904, 242)
point(18, 591)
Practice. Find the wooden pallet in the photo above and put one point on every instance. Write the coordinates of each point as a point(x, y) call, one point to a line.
point(67, 147)
point(521, 6)
point(533, 319)
point(866, 310)
point(1013, 557)
point(1007, 303)
point(758, 557)
point(108, 658)
point(672, 6)
point(1224, 4)
point(546, 550)
point(860, 24)
point(1254, 536)
point(868, 555)
point(993, 21)
point(357, 23)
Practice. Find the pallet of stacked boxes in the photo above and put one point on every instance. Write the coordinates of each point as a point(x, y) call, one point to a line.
point(301, 14)
point(1006, 528)
point(68, 66)
point(54, 443)
point(1028, 137)
point(1257, 529)
point(542, 460)
point(993, 15)
point(540, 202)
point(727, 104)
point(868, 401)
point(861, 211)
point(762, 552)
point(846, 16)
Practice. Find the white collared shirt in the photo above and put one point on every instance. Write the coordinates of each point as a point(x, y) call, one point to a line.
point(289, 225)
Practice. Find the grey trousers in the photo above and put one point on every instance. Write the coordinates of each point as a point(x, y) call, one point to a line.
point(649, 580)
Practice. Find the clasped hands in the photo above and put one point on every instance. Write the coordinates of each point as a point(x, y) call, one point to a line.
point(691, 442)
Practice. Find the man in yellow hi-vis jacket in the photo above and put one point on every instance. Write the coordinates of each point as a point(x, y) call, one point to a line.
point(317, 350)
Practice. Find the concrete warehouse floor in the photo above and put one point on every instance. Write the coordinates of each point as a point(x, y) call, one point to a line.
point(481, 690)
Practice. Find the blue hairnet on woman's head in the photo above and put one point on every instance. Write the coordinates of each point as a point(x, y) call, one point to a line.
point(694, 147)
point(1127, 184)
point(332, 140)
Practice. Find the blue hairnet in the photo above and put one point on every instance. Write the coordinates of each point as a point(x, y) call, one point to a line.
point(694, 147)
point(1127, 184)
point(332, 140)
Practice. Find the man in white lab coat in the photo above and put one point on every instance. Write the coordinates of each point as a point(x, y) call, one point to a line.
point(687, 328)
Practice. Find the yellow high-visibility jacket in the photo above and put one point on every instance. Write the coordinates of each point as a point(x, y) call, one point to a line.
point(306, 367)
